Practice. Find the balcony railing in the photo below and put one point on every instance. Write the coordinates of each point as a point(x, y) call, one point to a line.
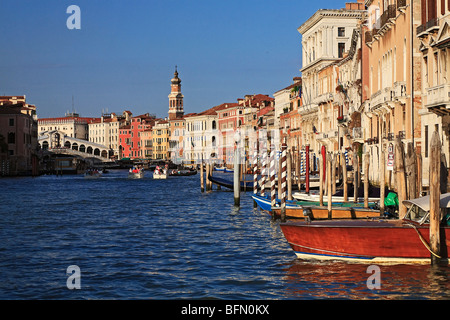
point(401, 135)
point(390, 136)
point(322, 136)
point(438, 95)
point(401, 3)
point(333, 134)
point(309, 108)
point(430, 25)
point(389, 13)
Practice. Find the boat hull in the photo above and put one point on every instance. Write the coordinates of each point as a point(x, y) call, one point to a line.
point(135, 175)
point(247, 186)
point(315, 197)
point(92, 176)
point(366, 241)
point(159, 176)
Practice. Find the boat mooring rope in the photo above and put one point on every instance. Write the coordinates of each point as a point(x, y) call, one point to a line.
point(423, 241)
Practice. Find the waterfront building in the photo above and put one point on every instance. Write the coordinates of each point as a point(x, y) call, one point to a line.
point(129, 136)
point(229, 118)
point(176, 120)
point(433, 34)
point(161, 140)
point(125, 142)
point(176, 139)
point(176, 108)
point(18, 136)
point(326, 38)
point(71, 125)
point(105, 131)
point(201, 138)
point(391, 81)
point(146, 144)
point(250, 129)
point(287, 103)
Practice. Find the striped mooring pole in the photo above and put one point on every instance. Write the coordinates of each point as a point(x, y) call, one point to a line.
point(272, 171)
point(283, 180)
point(255, 173)
point(263, 153)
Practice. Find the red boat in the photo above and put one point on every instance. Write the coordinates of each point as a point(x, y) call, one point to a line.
point(372, 240)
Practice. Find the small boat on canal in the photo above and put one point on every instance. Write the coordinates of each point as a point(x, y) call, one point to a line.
point(372, 240)
point(136, 173)
point(182, 173)
point(160, 173)
point(92, 174)
point(245, 186)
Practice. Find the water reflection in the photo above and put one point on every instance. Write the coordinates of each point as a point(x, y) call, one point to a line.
point(341, 280)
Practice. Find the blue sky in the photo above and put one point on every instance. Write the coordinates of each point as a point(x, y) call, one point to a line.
point(124, 55)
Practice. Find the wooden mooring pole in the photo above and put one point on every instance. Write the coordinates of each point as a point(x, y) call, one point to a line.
point(356, 176)
point(333, 173)
point(345, 178)
point(435, 211)
point(202, 182)
point(366, 180)
point(321, 180)
point(307, 169)
point(382, 180)
point(236, 180)
point(207, 172)
point(329, 183)
point(400, 177)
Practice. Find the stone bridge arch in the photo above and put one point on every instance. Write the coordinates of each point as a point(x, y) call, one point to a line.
point(56, 141)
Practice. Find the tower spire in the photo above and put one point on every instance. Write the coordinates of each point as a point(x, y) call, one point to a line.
point(176, 110)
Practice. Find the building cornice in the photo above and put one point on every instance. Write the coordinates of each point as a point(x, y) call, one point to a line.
point(329, 13)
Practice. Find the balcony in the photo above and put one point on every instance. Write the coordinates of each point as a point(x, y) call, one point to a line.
point(390, 136)
point(438, 99)
point(399, 92)
point(401, 4)
point(322, 136)
point(333, 135)
point(401, 135)
point(307, 109)
point(323, 98)
point(387, 15)
point(430, 26)
point(384, 22)
point(379, 98)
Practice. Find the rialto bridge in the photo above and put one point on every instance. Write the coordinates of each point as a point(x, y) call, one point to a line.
point(58, 142)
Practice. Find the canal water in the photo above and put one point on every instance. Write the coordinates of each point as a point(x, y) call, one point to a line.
point(164, 239)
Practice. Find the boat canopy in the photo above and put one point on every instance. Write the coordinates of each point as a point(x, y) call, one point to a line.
point(424, 202)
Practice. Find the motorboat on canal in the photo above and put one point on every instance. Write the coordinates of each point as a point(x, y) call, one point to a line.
point(372, 240)
point(245, 186)
point(182, 173)
point(160, 173)
point(136, 175)
point(136, 172)
point(92, 174)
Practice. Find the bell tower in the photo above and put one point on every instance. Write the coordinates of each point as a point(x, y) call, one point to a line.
point(176, 110)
